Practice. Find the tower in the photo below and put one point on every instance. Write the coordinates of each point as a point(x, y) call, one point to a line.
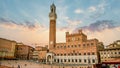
point(52, 27)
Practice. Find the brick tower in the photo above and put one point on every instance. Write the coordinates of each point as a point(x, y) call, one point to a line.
point(52, 28)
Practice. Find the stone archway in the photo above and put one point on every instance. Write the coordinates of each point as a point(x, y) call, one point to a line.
point(49, 59)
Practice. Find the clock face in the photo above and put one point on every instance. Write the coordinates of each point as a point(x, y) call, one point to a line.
point(51, 42)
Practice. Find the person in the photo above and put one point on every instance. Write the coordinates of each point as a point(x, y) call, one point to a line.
point(119, 66)
point(18, 66)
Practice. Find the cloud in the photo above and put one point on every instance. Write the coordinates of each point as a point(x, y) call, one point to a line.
point(99, 10)
point(106, 36)
point(24, 25)
point(92, 8)
point(73, 22)
point(99, 26)
point(78, 11)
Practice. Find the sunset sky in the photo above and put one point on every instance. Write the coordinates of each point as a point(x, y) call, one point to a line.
point(27, 21)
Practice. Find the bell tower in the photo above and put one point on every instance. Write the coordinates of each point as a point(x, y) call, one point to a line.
point(52, 27)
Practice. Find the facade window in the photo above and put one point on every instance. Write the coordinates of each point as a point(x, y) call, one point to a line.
point(61, 60)
point(91, 43)
point(93, 53)
point(79, 53)
point(68, 60)
point(72, 54)
point(119, 52)
point(57, 54)
point(68, 40)
point(75, 60)
point(54, 60)
point(79, 45)
point(64, 60)
point(85, 60)
point(87, 44)
point(75, 46)
point(84, 53)
point(93, 60)
point(75, 53)
point(68, 54)
point(79, 60)
point(64, 46)
point(64, 54)
point(61, 54)
point(115, 52)
point(71, 45)
point(72, 60)
point(104, 52)
point(88, 53)
point(84, 45)
point(78, 39)
point(58, 60)
point(68, 46)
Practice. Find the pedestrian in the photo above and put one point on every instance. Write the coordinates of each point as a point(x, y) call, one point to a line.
point(18, 66)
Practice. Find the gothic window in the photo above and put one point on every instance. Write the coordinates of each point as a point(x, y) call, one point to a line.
point(51, 9)
point(93, 60)
point(85, 60)
point(79, 53)
point(68, 60)
point(58, 60)
point(75, 46)
point(93, 53)
point(88, 53)
point(54, 60)
point(79, 45)
point(68, 46)
point(61, 60)
point(87, 44)
point(84, 53)
point(72, 60)
point(64, 46)
point(84, 45)
point(64, 60)
point(75, 53)
point(75, 60)
point(79, 60)
point(91, 43)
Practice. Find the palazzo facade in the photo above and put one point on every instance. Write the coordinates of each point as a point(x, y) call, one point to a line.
point(76, 50)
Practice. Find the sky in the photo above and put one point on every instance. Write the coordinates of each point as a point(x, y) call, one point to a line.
point(27, 21)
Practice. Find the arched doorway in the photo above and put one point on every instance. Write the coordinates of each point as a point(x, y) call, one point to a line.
point(49, 59)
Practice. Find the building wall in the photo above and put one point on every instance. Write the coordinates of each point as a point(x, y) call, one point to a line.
point(111, 52)
point(24, 51)
point(77, 50)
point(107, 55)
point(7, 48)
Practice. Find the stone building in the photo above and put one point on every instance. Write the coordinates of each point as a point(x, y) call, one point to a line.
point(24, 51)
point(7, 49)
point(39, 54)
point(111, 53)
point(77, 49)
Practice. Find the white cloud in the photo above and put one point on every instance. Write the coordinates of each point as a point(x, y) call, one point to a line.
point(78, 11)
point(92, 8)
point(74, 22)
point(106, 36)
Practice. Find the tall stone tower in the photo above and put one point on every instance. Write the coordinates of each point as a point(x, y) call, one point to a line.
point(52, 28)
